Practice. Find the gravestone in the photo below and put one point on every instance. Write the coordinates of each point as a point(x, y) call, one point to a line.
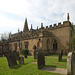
point(11, 60)
point(60, 55)
point(25, 56)
point(21, 60)
point(16, 54)
point(40, 60)
point(71, 63)
point(35, 52)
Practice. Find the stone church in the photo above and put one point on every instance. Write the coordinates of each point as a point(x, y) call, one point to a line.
point(46, 39)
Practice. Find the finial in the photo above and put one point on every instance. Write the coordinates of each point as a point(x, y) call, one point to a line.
point(31, 27)
point(68, 17)
point(37, 27)
point(18, 30)
point(9, 34)
point(41, 25)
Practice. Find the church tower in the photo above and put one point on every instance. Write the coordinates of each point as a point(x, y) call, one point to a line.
point(25, 29)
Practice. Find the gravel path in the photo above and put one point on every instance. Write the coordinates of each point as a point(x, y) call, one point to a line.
point(55, 70)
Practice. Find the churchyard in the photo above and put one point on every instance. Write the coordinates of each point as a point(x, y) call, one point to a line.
point(61, 63)
point(30, 66)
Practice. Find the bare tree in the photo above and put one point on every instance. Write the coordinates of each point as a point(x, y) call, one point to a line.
point(5, 36)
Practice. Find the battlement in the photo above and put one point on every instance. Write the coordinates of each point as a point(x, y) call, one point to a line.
point(59, 25)
point(42, 31)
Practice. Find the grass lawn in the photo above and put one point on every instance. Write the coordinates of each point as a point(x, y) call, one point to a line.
point(29, 68)
point(52, 61)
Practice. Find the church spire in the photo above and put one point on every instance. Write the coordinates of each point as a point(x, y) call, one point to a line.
point(68, 17)
point(25, 29)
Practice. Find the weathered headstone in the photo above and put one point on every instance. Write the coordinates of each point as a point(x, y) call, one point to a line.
point(11, 60)
point(40, 60)
point(21, 60)
point(71, 63)
point(16, 54)
point(60, 55)
point(35, 52)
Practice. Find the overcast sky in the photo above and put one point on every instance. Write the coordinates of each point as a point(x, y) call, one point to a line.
point(14, 12)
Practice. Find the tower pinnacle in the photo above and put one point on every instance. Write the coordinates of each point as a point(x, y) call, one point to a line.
point(31, 27)
point(18, 30)
point(25, 29)
point(37, 27)
point(68, 17)
point(41, 25)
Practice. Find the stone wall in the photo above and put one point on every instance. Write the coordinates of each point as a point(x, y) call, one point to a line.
point(61, 33)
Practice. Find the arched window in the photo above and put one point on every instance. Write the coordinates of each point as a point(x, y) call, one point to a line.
point(48, 42)
point(26, 45)
point(55, 45)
